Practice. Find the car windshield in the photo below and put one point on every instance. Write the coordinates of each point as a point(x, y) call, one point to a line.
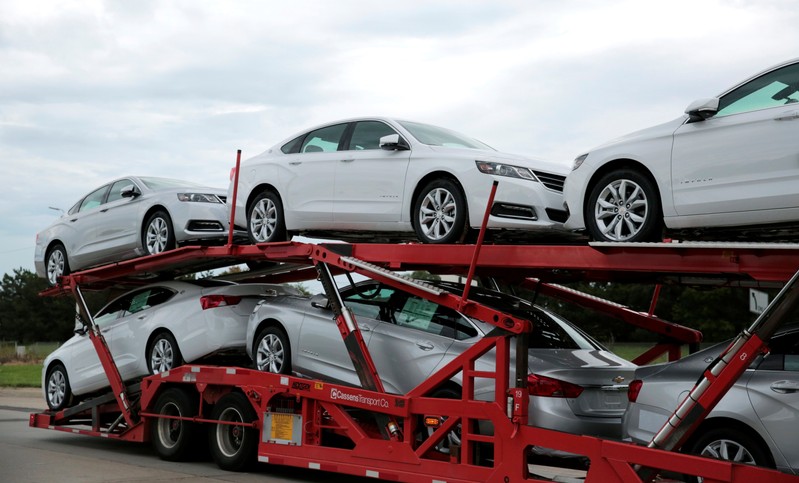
point(437, 136)
point(156, 184)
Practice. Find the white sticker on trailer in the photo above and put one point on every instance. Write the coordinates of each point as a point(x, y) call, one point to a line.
point(231, 370)
point(263, 459)
point(372, 474)
point(314, 466)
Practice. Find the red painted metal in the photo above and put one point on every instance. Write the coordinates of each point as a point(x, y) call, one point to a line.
point(479, 245)
point(350, 414)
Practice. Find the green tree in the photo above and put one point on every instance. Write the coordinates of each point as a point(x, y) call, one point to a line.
point(26, 316)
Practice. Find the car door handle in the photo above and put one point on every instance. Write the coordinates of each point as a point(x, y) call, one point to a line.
point(787, 117)
point(425, 345)
point(73, 220)
point(104, 210)
point(347, 160)
point(142, 317)
point(364, 328)
point(295, 163)
point(785, 387)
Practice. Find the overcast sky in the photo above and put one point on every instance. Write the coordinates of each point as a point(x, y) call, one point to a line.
point(91, 90)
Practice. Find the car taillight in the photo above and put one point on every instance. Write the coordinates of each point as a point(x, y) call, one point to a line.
point(550, 387)
point(211, 301)
point(634, 389)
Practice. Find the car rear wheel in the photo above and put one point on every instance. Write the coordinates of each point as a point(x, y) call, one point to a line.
point(158, 236)
point(163, 354)
point(59, 394)
point(175, 439)
point(57, 264)
point(731, 444)
point(439, 212)
point(233, 446)
point(271, 351)
point(623, 206)
point(265, 222)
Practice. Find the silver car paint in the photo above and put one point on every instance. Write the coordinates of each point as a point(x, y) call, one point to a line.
point(405, 357)
point(113, 231)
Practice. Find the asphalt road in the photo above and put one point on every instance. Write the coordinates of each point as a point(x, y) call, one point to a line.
point(38, 455)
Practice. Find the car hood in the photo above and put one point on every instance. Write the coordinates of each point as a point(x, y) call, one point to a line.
point(660, 130)
point(581, 366)
point(515, 159)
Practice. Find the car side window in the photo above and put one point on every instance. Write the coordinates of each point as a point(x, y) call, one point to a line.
point(112, 311)
point(773, 89)
point(116, 189)
point(93, 199)
point(147, 298)
point(422, 314)
point(367, 134)
point(325, 140)
point(367, 303)
point(783, 354)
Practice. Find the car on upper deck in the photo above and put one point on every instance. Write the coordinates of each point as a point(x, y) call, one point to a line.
point(729, 161)
point(386, 175)
point(126, 218)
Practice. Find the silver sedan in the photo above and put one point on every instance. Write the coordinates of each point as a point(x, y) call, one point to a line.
point(754, 423)
point(575, 384)
point(127, 218)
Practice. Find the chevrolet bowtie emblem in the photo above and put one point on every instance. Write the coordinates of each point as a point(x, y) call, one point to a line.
point(618, 379)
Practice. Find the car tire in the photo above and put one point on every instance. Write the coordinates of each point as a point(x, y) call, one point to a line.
point(158, 234)
point(718, 442)
point(440, 212)
point(265, 221)
point(163, 354)
point(175, 439)
point(233, 448)
point(59, 393)
point(624, 206)
point(271, 351)
point(57, 264)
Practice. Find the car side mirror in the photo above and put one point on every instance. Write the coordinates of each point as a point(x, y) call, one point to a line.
point(393, 142)
point(320, 301)
point(702, 109)
point(82, 330)
point(130, 191)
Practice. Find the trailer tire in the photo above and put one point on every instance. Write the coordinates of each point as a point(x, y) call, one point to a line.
point(233, 448)
point(175, 439)
point(58, 391)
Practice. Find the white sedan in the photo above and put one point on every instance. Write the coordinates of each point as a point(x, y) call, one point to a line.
point(387, 175)
point(152, 329)
point(730, 161)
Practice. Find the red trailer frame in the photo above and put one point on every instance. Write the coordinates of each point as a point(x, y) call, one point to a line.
point(312, 424)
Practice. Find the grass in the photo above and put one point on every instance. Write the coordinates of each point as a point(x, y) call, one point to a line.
point(20, 375)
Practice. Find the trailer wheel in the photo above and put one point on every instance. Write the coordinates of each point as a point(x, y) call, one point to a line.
point(233, 447)
point(175, 439)
point(59, 394)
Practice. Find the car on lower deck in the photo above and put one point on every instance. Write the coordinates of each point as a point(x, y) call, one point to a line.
point(754, 423)
point(575, 384)
point(153, 329)
point(392, 176)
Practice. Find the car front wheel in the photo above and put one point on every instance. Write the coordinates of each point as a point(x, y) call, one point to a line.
point(265, 222)
point(439, 212)
point(271, 351)
point(623, 206)
point(59, 394)
point(57, 264)
point(158, 234)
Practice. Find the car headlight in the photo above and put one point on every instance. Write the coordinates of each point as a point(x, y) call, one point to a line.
point(199, 197)
point(508, 170)
point(578, 161)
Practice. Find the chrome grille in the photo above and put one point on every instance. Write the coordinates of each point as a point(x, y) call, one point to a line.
point(551, 181)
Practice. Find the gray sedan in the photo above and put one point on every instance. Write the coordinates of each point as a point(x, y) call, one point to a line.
point(575, 384)
point(756, 421)
point(126, 218)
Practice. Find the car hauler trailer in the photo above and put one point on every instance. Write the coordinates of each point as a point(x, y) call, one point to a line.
point(286, 420)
